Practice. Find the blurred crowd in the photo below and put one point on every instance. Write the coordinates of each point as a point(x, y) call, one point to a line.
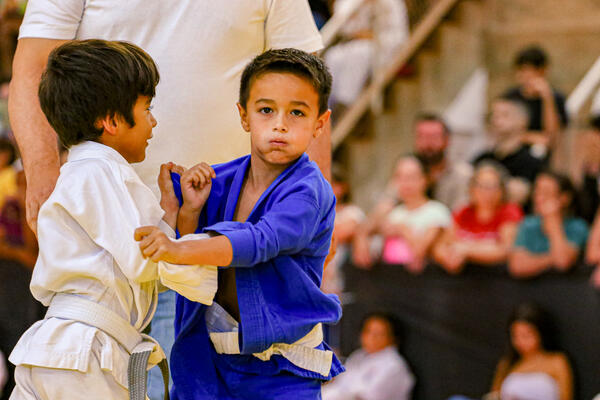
point(506, 208)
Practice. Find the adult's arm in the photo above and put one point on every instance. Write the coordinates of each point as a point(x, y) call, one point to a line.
point(524, 264)
point(497, 252)
point(36, 139)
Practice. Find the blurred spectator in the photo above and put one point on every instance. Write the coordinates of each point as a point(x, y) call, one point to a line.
point(11, 15)
point(410, 229)
point(483, 231)
point(532, 368)
point(523, 160)
point(587, 169)
point(348, 218)
point(448, 181)
point(376, 371)
point(592, 253)
point(8, 175)
point(372, 34)
point(4, 122)
point(547, 114)
point(552, 238)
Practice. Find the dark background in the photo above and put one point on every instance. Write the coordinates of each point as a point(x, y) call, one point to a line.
point(455, 326)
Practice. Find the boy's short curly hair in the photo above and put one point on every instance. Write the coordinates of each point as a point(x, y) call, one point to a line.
point(86, 80)
point(291, 61)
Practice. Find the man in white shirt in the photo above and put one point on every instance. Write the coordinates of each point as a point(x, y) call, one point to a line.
point(200, 47)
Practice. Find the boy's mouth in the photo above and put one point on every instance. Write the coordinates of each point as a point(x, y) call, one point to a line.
point(278, 142)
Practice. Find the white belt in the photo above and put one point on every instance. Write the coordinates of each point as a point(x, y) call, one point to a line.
point(68, 306)
point(301, 353)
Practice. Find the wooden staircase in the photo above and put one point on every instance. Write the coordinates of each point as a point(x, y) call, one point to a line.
point(445, 61)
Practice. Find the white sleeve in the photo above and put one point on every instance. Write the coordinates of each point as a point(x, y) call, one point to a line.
point(393, 381)
point(109, 211)
point(52, 19)
point(290, 23)
point(195, 282)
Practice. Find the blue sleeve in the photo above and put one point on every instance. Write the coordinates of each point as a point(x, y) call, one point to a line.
point(287, 228)
point(577, 232)
point(522, 234)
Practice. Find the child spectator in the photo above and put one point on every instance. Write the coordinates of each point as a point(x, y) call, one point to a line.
point(511, 149)
point(100, 292)
point(272, 214)
point(483, 231)
point(376, 371)
point(17, 241)
point(547, 114)
point(552, 238)
point(8, 175)
point(411, 228)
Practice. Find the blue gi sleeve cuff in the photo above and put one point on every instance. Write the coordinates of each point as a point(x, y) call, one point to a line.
point(242, 241)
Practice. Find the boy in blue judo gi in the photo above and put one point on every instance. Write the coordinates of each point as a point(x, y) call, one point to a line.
point(271, 215)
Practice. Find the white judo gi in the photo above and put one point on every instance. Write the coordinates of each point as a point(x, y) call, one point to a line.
point(87, 250)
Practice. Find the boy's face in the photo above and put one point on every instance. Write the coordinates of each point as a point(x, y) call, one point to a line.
point(131, 141)
point(282, 116)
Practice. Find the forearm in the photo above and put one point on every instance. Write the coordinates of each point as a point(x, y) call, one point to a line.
point(187, 220)
point(213, 251)
point(550, 118)
point(523, 264)
point(562, 252)
point(487, 253)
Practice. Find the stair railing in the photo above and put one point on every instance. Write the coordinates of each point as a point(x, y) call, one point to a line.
point(383, 77)
point(584, 90)
point(332, 28)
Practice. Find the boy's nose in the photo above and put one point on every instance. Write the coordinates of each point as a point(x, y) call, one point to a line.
point(153, 120)
point(280, 125)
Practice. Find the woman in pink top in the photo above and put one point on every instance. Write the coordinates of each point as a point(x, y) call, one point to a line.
point(483, 231)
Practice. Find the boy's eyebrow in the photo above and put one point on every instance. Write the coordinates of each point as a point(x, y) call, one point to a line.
point(294, 102)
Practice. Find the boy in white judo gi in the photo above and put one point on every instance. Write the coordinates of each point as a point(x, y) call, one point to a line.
point(100, 291)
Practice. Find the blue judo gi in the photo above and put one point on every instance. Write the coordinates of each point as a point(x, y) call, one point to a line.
point(278, 254)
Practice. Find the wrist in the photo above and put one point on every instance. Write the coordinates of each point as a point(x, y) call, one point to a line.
point(187, 210)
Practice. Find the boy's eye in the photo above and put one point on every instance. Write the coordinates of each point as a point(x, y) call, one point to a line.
point(297, 113)
point(265, 110)
point(150, 108)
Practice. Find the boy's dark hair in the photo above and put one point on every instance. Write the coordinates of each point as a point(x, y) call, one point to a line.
point(86, 80)
point(7, 146)
point(533, 56)
point(291, 61)
point(431, 117)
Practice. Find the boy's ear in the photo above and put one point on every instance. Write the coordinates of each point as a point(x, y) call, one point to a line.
point(108, 124)
point(243, 117)
point(322, 123)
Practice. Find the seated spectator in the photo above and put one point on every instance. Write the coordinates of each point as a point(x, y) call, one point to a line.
point(551, 239)
point(483, 231)
point(372, 34)
point(17, 241)
point(511, 149)
point(348, 218)
point(547, 114)
point(587, 169)
point(8, 175)
point(532, 368)
point(410, 229)
point(376, 371)
point(447, 182)
point(592, 253)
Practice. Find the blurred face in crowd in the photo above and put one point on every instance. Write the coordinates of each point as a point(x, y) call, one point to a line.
point(486, 188)
point(340, 189)
point(376, 335)
point(526, 75)
point(546, 191)
point(525, 338)
point(431, 141)
point(410, 179)
point(507, 118)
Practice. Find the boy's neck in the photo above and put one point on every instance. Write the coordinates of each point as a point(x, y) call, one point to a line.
point(261, 174)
